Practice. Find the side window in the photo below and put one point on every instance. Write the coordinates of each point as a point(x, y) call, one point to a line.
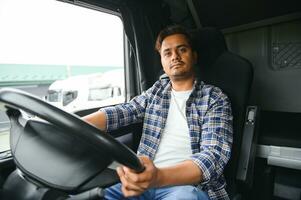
point(65, 54)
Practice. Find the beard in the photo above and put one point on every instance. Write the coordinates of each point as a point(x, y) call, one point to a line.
point(180, 73)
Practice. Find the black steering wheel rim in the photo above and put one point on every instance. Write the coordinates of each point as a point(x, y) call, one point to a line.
point(98, 139)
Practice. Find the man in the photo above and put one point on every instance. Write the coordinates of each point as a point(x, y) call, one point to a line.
point(187, 132)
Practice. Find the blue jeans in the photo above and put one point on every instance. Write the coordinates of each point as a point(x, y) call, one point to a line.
point(186, 192)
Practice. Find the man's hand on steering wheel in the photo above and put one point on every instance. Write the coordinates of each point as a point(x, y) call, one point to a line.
point(134, 183)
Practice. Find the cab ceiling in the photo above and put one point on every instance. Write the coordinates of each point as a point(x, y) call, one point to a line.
point(216, 13)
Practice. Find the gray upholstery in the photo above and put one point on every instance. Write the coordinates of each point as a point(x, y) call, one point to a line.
point(233, 74)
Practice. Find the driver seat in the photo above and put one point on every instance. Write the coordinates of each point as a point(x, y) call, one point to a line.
point(233, 74)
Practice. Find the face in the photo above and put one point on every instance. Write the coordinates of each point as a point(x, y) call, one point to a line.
point(177, 57)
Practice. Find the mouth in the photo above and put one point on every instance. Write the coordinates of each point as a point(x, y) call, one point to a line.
point(178, 64)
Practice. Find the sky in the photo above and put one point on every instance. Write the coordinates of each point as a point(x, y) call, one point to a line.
point(53, 32)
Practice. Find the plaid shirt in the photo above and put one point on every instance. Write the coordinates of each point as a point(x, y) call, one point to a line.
point(209, 118)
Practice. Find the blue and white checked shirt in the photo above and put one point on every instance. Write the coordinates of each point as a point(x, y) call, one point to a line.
point(209, 118)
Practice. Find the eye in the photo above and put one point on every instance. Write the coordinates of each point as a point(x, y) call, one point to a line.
point(182, 49)
point(167, 54)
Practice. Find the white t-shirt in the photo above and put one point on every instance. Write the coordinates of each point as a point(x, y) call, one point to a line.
point(175, 145)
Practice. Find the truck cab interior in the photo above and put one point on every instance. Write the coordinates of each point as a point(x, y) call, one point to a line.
point(250, 49)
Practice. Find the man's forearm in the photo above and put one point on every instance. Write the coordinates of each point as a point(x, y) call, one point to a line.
point(97, 119)
point(184, 173)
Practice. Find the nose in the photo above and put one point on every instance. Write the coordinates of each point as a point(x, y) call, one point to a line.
point(175, 56)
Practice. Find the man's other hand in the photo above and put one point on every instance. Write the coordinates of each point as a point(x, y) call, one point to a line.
point(133, 183)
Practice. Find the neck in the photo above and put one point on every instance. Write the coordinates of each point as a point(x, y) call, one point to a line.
point(182, 85)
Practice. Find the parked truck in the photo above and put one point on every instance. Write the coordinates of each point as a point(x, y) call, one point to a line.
point(87, 91)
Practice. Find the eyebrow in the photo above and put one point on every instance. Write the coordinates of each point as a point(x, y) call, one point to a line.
point(181, 45)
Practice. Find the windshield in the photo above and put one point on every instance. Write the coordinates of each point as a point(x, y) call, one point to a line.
point(96, 94)
point(54, 96)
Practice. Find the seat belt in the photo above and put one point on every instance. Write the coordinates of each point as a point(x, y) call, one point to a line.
point(248, 147)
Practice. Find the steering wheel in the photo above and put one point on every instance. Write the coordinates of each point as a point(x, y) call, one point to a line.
point(61, 151)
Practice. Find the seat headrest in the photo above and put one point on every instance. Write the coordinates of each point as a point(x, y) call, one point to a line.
point(209, 43)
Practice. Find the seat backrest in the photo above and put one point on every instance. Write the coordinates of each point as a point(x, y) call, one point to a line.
point(233, 74)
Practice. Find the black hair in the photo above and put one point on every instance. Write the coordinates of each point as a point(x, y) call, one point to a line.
point(172, 30)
